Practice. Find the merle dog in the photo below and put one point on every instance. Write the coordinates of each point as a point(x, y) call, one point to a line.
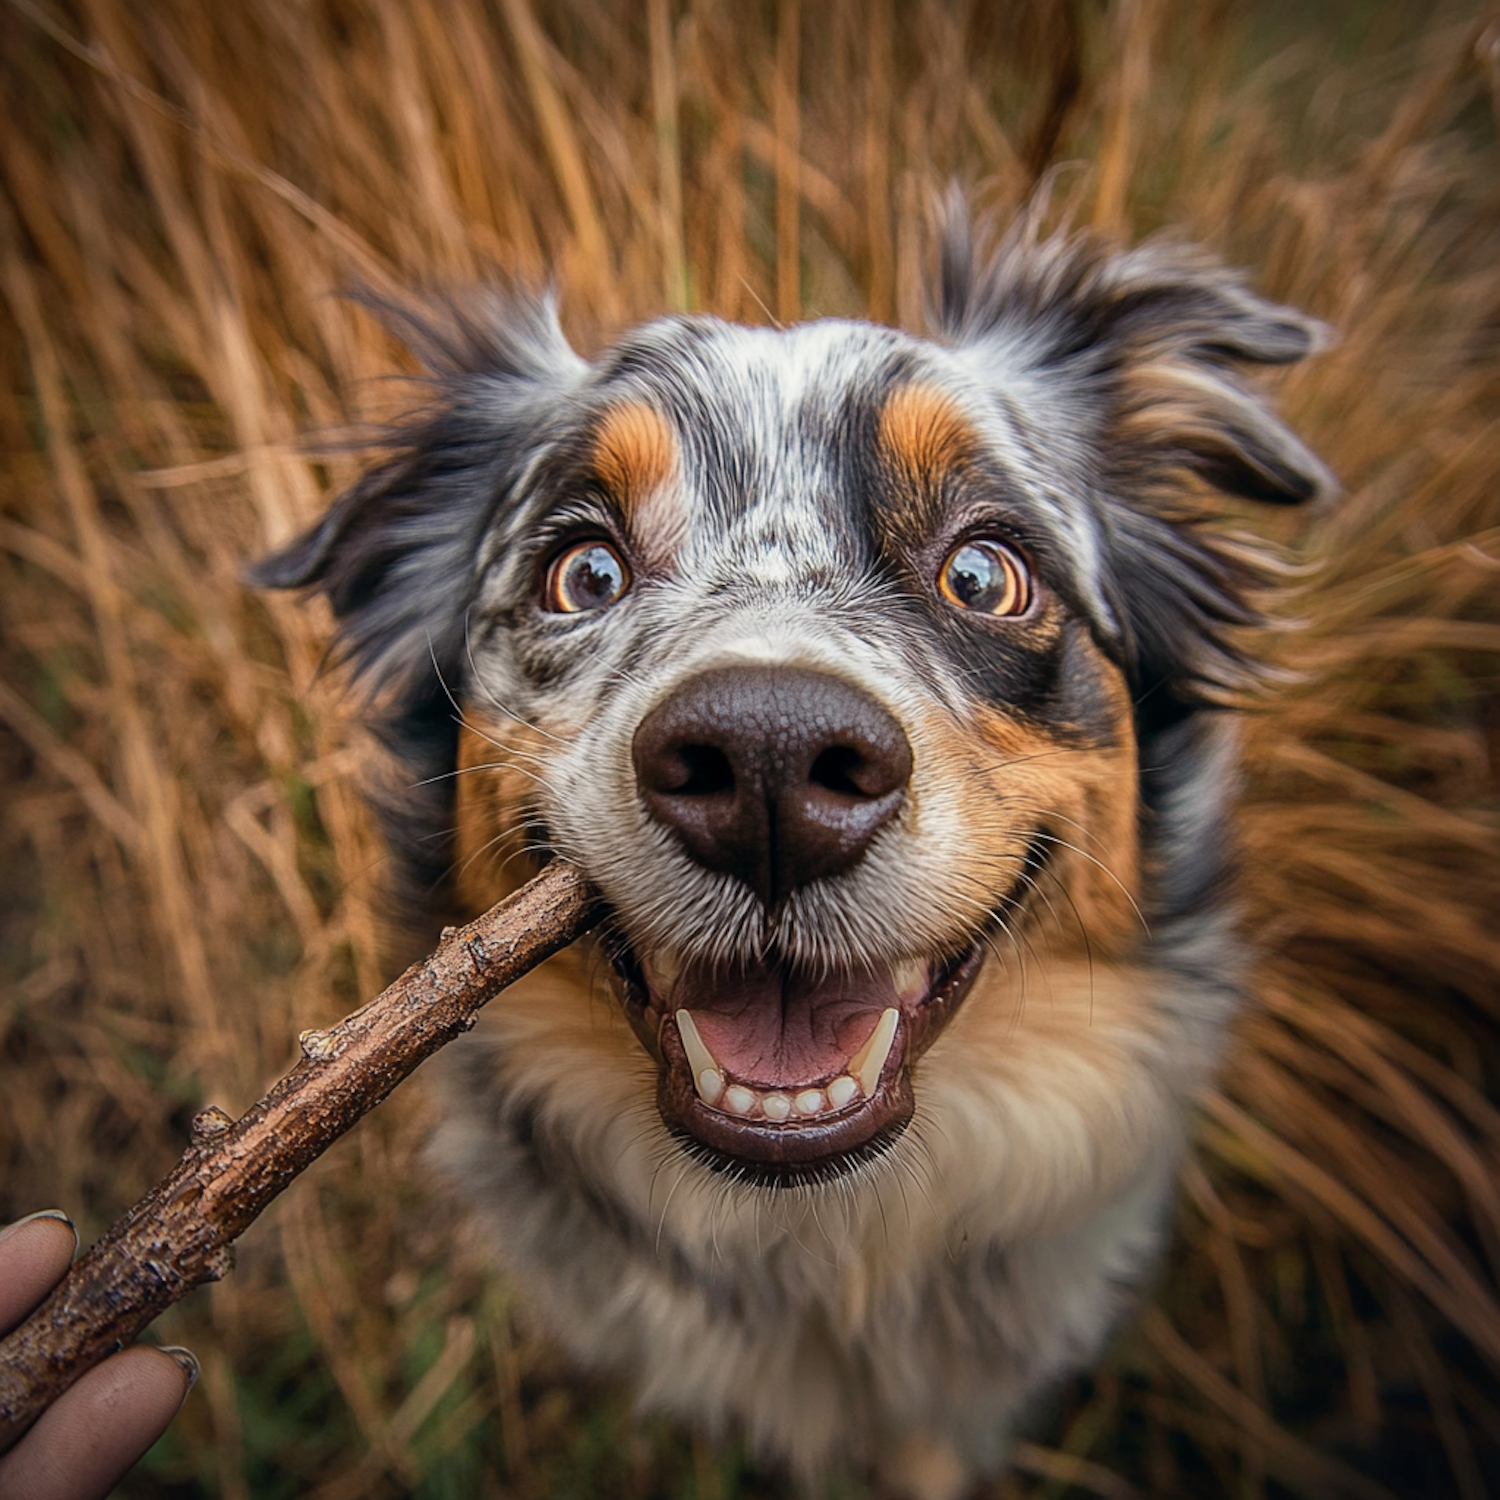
point(879, 684)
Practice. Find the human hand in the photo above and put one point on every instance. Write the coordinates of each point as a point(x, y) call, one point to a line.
point(91, 1435)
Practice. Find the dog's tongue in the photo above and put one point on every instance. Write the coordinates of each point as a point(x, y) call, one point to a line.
point(774, 1027)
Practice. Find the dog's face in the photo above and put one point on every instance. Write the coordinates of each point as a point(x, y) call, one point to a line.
point(798, 641)
point(833, 656)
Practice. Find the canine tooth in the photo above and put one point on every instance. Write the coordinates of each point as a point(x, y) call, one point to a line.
point(866, 1064)
point(776, 1106)
point(909, 977)
point(664, 966)
point(710, 1084)
point(738, 1099)
point(700, 1059)
point(842, 1090)
point(810, 1102)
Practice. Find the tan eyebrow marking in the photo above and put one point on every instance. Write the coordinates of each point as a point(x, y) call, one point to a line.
point(634, 454)
point(925, 435)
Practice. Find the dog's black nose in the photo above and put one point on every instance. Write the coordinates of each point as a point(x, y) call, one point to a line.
point(775, 774)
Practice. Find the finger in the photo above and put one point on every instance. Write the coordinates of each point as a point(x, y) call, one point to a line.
point(86, 1441)
point(34, 1253)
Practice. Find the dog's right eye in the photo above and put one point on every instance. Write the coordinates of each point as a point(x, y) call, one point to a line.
point(986, 576)
point(588, 575)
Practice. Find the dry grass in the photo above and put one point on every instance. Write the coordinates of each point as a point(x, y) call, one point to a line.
point(190, 878)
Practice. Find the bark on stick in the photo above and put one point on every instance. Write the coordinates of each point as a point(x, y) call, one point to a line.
point(179, 1235)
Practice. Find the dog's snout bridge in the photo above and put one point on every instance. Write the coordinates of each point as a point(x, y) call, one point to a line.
point(777, 775)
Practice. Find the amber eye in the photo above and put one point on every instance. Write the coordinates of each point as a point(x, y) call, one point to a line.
point(589, 575)
point(985, 575)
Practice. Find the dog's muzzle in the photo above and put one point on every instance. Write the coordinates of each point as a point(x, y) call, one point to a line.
point(782, 778)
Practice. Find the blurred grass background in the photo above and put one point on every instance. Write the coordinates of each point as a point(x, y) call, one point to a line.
point(187, 875)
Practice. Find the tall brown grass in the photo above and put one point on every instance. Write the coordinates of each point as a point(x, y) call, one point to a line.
point(190, 878)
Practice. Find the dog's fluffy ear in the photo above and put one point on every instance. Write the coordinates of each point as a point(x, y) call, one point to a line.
point(397, 555)
point(1142, 346)
point(1128, 366)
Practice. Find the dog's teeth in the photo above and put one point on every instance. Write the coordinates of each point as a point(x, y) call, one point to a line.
point(841, 1091)
point(663, 966)
point(868, 1063)
point(700, 1059)
point(714, 1089)
point(910, 978)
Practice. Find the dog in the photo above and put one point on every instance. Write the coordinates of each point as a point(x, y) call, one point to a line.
point(884, 686)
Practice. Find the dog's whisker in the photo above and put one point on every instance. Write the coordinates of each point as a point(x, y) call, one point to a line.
point(437, 671)
point(484, 687)
point(479, 732)
point(1105, 870)
point(1049, 814)
point(1083, 932)
point(535, 776)
point(1021, 938)
point(498, 840)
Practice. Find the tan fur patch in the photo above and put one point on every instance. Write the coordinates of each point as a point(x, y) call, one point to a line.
point(925, 436)
point(635, 454)
point(1018, 778)
point(1052, 1063)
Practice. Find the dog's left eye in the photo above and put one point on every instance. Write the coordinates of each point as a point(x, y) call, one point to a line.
point(985, 575)
point(589, 575)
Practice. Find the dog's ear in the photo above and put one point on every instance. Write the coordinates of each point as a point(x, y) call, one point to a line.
point(1128, 370)
point(1142, 347)
point(398, 554)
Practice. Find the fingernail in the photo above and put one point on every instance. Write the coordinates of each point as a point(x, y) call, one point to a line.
point(185, 1359)
point(42, 1213)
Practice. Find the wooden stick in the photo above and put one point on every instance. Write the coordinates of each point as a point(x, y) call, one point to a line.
point(179, 1235)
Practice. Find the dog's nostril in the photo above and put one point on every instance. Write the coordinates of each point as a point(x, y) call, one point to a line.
point(844, 770)
point(706, 770)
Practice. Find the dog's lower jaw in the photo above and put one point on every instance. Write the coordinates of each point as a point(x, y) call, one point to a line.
point(924, 1299)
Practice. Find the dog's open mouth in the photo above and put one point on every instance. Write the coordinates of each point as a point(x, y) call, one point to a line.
point(783, 1073)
